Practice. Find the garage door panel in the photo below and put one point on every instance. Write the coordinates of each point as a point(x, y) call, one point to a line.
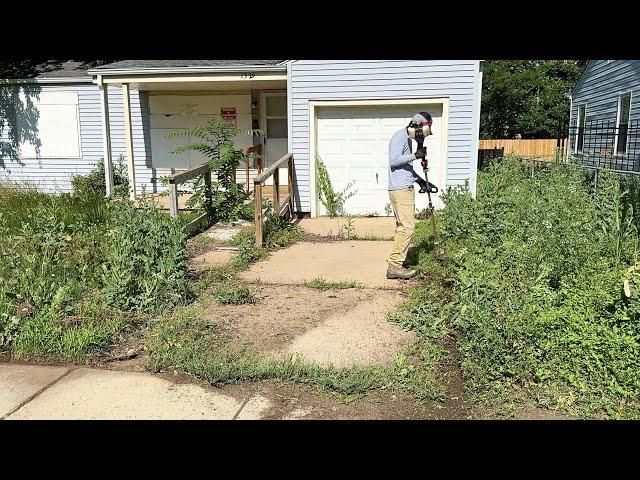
point(353, 143)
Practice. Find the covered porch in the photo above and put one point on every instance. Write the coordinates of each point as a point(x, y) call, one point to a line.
point(253, 96)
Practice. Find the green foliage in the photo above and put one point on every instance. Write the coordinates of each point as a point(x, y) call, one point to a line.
point(188, 343)
point(94, 182)
point(538, 263)
point(526, 97)
point(70, 263)
point(322, 285)
point(145, 259)
point(228, 198)
point(278, 233)
point(333, 201)
point(233, 293)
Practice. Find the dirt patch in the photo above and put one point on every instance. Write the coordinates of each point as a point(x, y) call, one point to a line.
point(303, 402)
point(360, 336)
point(211, 258)
point(281, 314)
point(216, 237)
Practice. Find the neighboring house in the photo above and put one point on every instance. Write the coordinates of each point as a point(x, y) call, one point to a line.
point(605, 115)
point(342, 111)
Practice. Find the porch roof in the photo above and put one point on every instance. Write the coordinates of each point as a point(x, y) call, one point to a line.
point(194, 74)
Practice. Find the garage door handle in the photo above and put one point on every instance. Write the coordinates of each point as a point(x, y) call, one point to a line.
point(376, 178)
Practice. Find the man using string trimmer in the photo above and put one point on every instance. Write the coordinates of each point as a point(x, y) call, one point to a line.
point(401, 179)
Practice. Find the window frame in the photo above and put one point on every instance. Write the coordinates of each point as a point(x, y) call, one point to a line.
point(78, 126)
point(618, 115)
point(580, 148)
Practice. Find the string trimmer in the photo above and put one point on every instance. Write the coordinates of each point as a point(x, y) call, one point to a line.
point(419, 134)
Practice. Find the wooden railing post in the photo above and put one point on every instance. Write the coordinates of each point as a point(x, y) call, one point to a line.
point(208, 192)
point(257, 193)
point(290, 184)
point(272, 171)
point(173, 199)
point(276, 191)
point(246, 172)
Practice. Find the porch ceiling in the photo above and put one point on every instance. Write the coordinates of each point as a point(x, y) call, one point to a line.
point(205, 86)
point(200, 81)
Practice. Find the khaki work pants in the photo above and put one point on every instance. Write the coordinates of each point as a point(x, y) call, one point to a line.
point(403, 202)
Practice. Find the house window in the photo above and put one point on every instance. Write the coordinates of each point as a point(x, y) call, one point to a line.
point(624, 110)
point(582, 113)
point(58, 126)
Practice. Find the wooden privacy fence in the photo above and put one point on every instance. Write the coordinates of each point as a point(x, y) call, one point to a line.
point(279, 207)
point(536, 148)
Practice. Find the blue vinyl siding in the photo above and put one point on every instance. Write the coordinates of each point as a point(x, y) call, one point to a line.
point(457, 80)
point(307, 80)
point(599, 88)
point(54, 174)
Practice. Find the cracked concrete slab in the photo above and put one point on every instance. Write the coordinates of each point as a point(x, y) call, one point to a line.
point(20, 382)
point(359, 336)
point(255, 408)
point(362, 261)
point(103, 394)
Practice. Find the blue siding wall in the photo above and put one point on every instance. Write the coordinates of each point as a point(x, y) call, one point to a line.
point(601, 84)
point(308, 80)
point(54, 174)
point(387, 79)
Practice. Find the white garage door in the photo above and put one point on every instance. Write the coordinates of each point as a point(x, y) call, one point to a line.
point(353, 143)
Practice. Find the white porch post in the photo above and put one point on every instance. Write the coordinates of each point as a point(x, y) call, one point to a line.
point(106, 137)
point(131, 169)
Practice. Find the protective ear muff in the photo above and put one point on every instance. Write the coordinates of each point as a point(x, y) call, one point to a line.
point(426, 131)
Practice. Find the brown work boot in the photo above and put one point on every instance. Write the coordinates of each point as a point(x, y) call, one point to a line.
point(400, 273)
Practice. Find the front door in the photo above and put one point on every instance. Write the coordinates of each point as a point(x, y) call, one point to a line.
point(275, 127)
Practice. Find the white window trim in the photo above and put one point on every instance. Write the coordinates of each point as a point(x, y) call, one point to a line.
point(78, 128)
point(575, 146)
point(615, 143)
point(313, 118)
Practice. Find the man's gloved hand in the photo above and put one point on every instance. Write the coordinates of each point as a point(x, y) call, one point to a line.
point(424, 163)
point(423, 185)
point(421, 153)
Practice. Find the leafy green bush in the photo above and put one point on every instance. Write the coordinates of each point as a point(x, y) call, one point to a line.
point(62, 269)
point(332, 201)
point(94, 182)
point(538, 262)
point(233, 293)
point(278, 233)
point(145, 259)
point(228, 198)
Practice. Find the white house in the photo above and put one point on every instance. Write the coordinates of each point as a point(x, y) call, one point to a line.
point(342, 111)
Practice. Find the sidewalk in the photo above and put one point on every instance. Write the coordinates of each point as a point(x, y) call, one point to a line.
point(38, 392)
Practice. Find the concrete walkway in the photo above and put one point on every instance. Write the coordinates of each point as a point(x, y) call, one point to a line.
point(55, 393)
point(379, 228)
point(358, 332)
point(359, 261)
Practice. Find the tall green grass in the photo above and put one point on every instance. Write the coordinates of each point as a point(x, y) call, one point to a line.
point(70, 265)
point(538, 263)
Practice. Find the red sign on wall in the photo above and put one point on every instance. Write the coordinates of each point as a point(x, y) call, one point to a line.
point(229, 114)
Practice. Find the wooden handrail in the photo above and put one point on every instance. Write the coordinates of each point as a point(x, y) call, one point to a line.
point(269, 171)
point(189, 174)
point(279, 207)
